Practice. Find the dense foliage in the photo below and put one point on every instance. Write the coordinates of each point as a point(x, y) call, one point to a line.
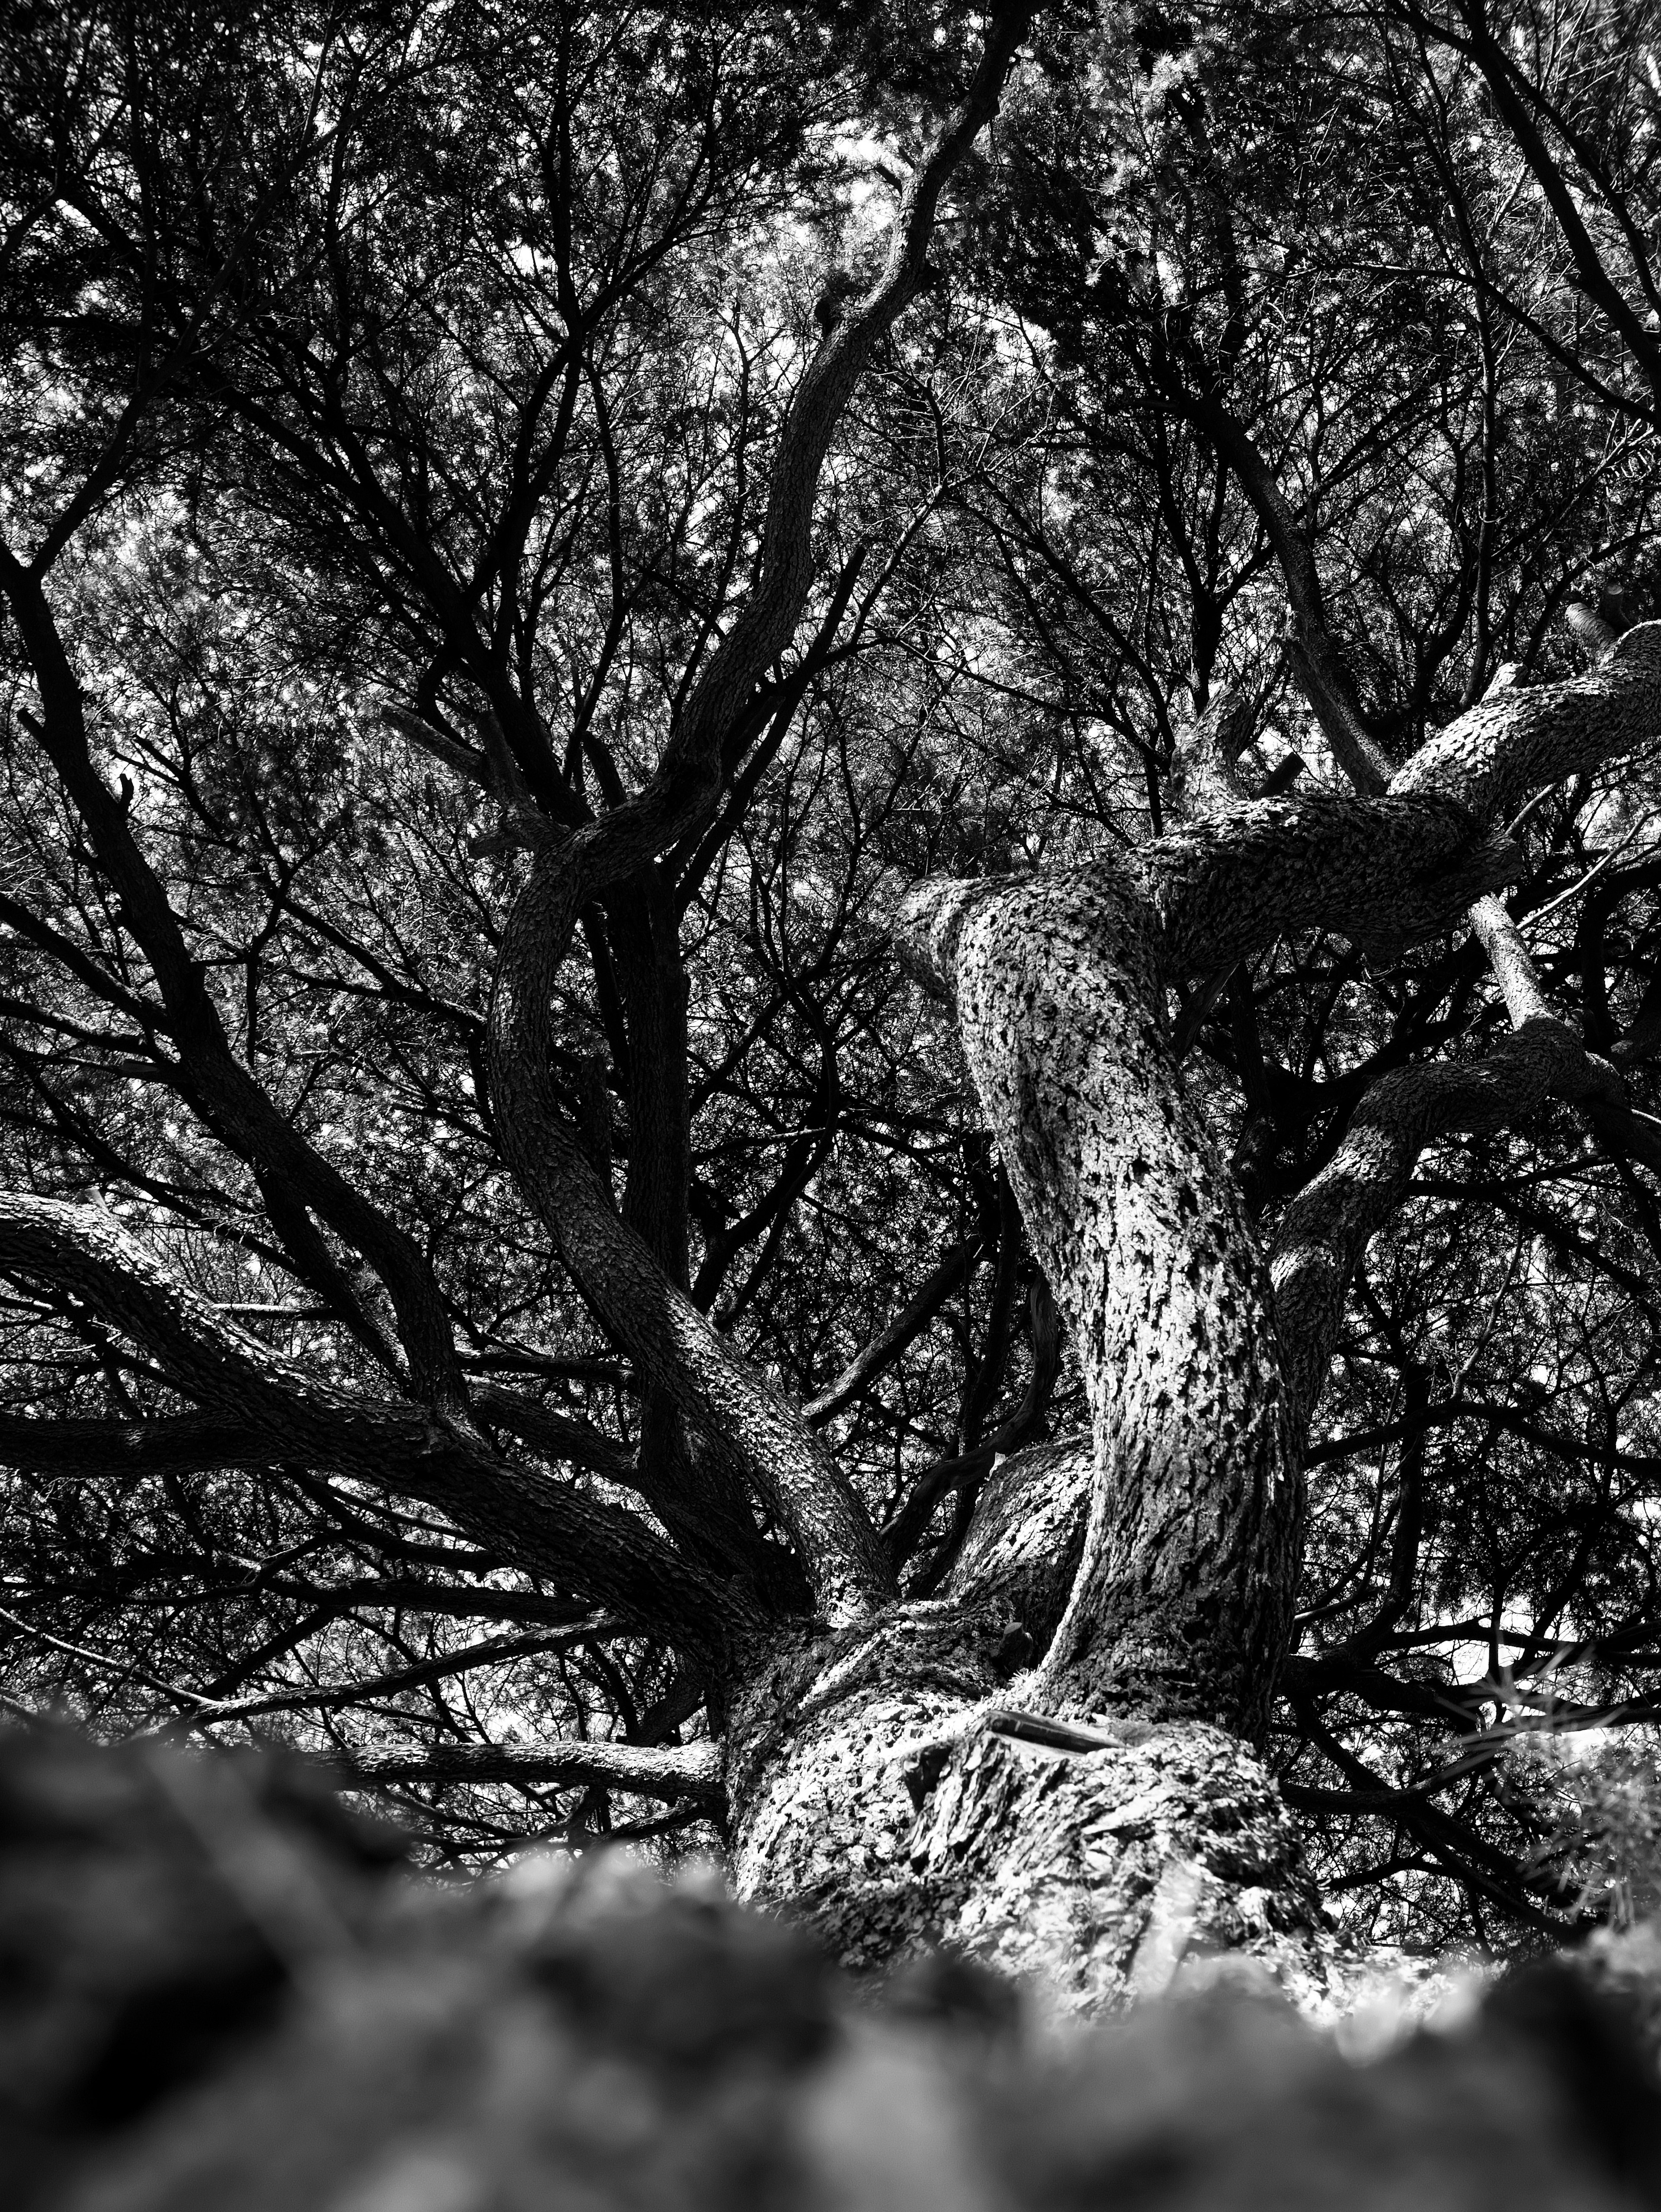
point(429, 359)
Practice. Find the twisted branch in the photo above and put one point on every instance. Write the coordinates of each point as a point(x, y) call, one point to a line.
point(672, 1341)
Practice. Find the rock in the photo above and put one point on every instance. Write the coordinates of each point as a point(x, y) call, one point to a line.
point(216, 1996)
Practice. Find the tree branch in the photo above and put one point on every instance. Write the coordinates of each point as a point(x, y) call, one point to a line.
point(1329, 1224)
point(231, 1103)
point(1315, 656)
point(680, 1352)
point(886, 1346)
point(1516, 742)
point(608, 1553)
point(690, 1771)
point(96, 1449)
point(1388, 869)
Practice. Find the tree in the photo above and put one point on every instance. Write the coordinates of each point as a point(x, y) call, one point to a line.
point(426, 1130)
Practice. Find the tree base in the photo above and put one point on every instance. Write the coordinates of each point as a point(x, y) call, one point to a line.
point(901, 1815)
point(1101, 1875)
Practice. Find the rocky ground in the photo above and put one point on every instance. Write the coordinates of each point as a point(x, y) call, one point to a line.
point(218, 1990)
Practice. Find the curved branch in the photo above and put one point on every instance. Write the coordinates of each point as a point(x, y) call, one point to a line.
point(1329, 1224)
point(1390, 871)
point(1518, 741)
point(642, 1307)
point(90, 1450)
point(1199, 1400)
point(885, 1347)
point(1394, 869)
point(768, 622)
point(675, 1346)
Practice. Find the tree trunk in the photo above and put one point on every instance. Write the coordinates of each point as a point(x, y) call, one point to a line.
point(1095, 1819)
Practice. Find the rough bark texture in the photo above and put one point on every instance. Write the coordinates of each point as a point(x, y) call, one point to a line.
point(1511, 746)
point(671, 1772)
point(1180, 1606)
point(819, 1747)
point(1205, 768)
point(1092, 1873)
point(1488, 763)
point(1027, 1537)
point(891, 1794)
point(1389, 872)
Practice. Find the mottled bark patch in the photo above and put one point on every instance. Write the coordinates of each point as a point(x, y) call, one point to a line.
point(877, 1801)
point(1027, 1538)
point(821, 1746)
point(1104, 1875)
point(1182, 1597)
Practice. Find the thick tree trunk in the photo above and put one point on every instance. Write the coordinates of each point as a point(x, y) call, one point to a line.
point(1092, 1822)
point(888, 1789)
point(1088, 1826)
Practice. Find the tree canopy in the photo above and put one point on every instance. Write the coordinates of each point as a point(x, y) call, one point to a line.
point(528, 530)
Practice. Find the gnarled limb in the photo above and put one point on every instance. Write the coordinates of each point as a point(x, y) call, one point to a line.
point(643, 1307)
point(1205, 767)
point(1181, 1603)
point(1328, 1227)
point(675, 1346)
point(1516, 742)
point(1404, 868)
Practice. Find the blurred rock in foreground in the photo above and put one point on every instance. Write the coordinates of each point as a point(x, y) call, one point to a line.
point(216, 1991)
